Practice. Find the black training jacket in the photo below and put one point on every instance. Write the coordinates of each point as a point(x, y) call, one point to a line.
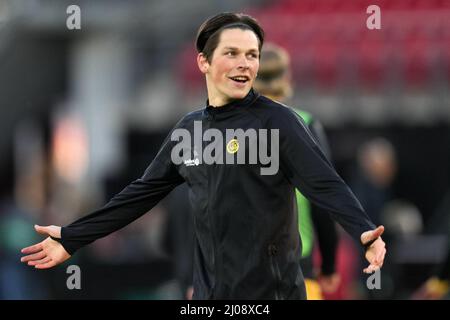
point(247, 241)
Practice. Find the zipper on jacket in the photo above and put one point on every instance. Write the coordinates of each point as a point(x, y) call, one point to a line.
point(272, 249)
point(211, 226)
point(211, 118)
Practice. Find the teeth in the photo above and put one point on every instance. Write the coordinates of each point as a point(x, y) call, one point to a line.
point(240, 78)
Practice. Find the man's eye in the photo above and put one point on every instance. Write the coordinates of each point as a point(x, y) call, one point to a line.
point(253, 55)
point(230, 53)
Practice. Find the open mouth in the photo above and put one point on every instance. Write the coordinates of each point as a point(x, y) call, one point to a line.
point(240, 79)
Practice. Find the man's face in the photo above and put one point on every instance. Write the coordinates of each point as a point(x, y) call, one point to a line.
point(233, 68)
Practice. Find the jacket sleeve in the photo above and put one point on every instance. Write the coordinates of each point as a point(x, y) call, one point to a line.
point(327, 236)
point(132, 202)
point(308, 169)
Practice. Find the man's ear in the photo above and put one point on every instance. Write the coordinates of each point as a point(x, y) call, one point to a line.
point(202, 63)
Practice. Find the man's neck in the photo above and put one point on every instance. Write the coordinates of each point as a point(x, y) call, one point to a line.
point(217, 102)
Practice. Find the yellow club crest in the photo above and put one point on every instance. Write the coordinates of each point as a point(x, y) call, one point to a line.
point(232, 146)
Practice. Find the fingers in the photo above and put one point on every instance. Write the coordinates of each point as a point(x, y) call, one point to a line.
point(371, 268)
point(46, 265)
point(371, 235)
point(377, 232)
point(32, 249)
point(38, 262)
point(377, 263)
point(42, 230)
point(378, 251)
point(53, 231)
point(375, 255)
point(380, 257)
point(32, 257)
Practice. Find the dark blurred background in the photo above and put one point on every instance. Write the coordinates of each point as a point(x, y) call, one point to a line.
point(83, 112)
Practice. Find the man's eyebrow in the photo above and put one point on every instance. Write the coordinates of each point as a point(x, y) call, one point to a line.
point(235, 48)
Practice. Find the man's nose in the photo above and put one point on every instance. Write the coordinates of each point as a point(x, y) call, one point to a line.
point(243, 63)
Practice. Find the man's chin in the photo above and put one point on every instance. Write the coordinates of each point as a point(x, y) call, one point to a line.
point(240, 94)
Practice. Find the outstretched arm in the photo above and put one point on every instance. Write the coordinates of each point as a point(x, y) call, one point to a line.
point(307, 168)
point(131, 203)
point(48, 253)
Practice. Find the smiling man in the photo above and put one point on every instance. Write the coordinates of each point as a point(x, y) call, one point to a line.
point(247, 241)
point(231, 68)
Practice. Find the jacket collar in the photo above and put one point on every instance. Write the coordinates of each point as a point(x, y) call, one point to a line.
point(233, 105)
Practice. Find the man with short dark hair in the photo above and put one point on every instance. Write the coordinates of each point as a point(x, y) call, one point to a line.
point(247, 242)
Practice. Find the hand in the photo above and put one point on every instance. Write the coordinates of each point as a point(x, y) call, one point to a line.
point(329, 283)
point(376, 252)
point(48, 253)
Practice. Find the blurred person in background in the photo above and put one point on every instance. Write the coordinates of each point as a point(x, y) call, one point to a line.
point(246, 231)
point(25, 205)
point(372, 183)
point(376, 170)
point(274, 82)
